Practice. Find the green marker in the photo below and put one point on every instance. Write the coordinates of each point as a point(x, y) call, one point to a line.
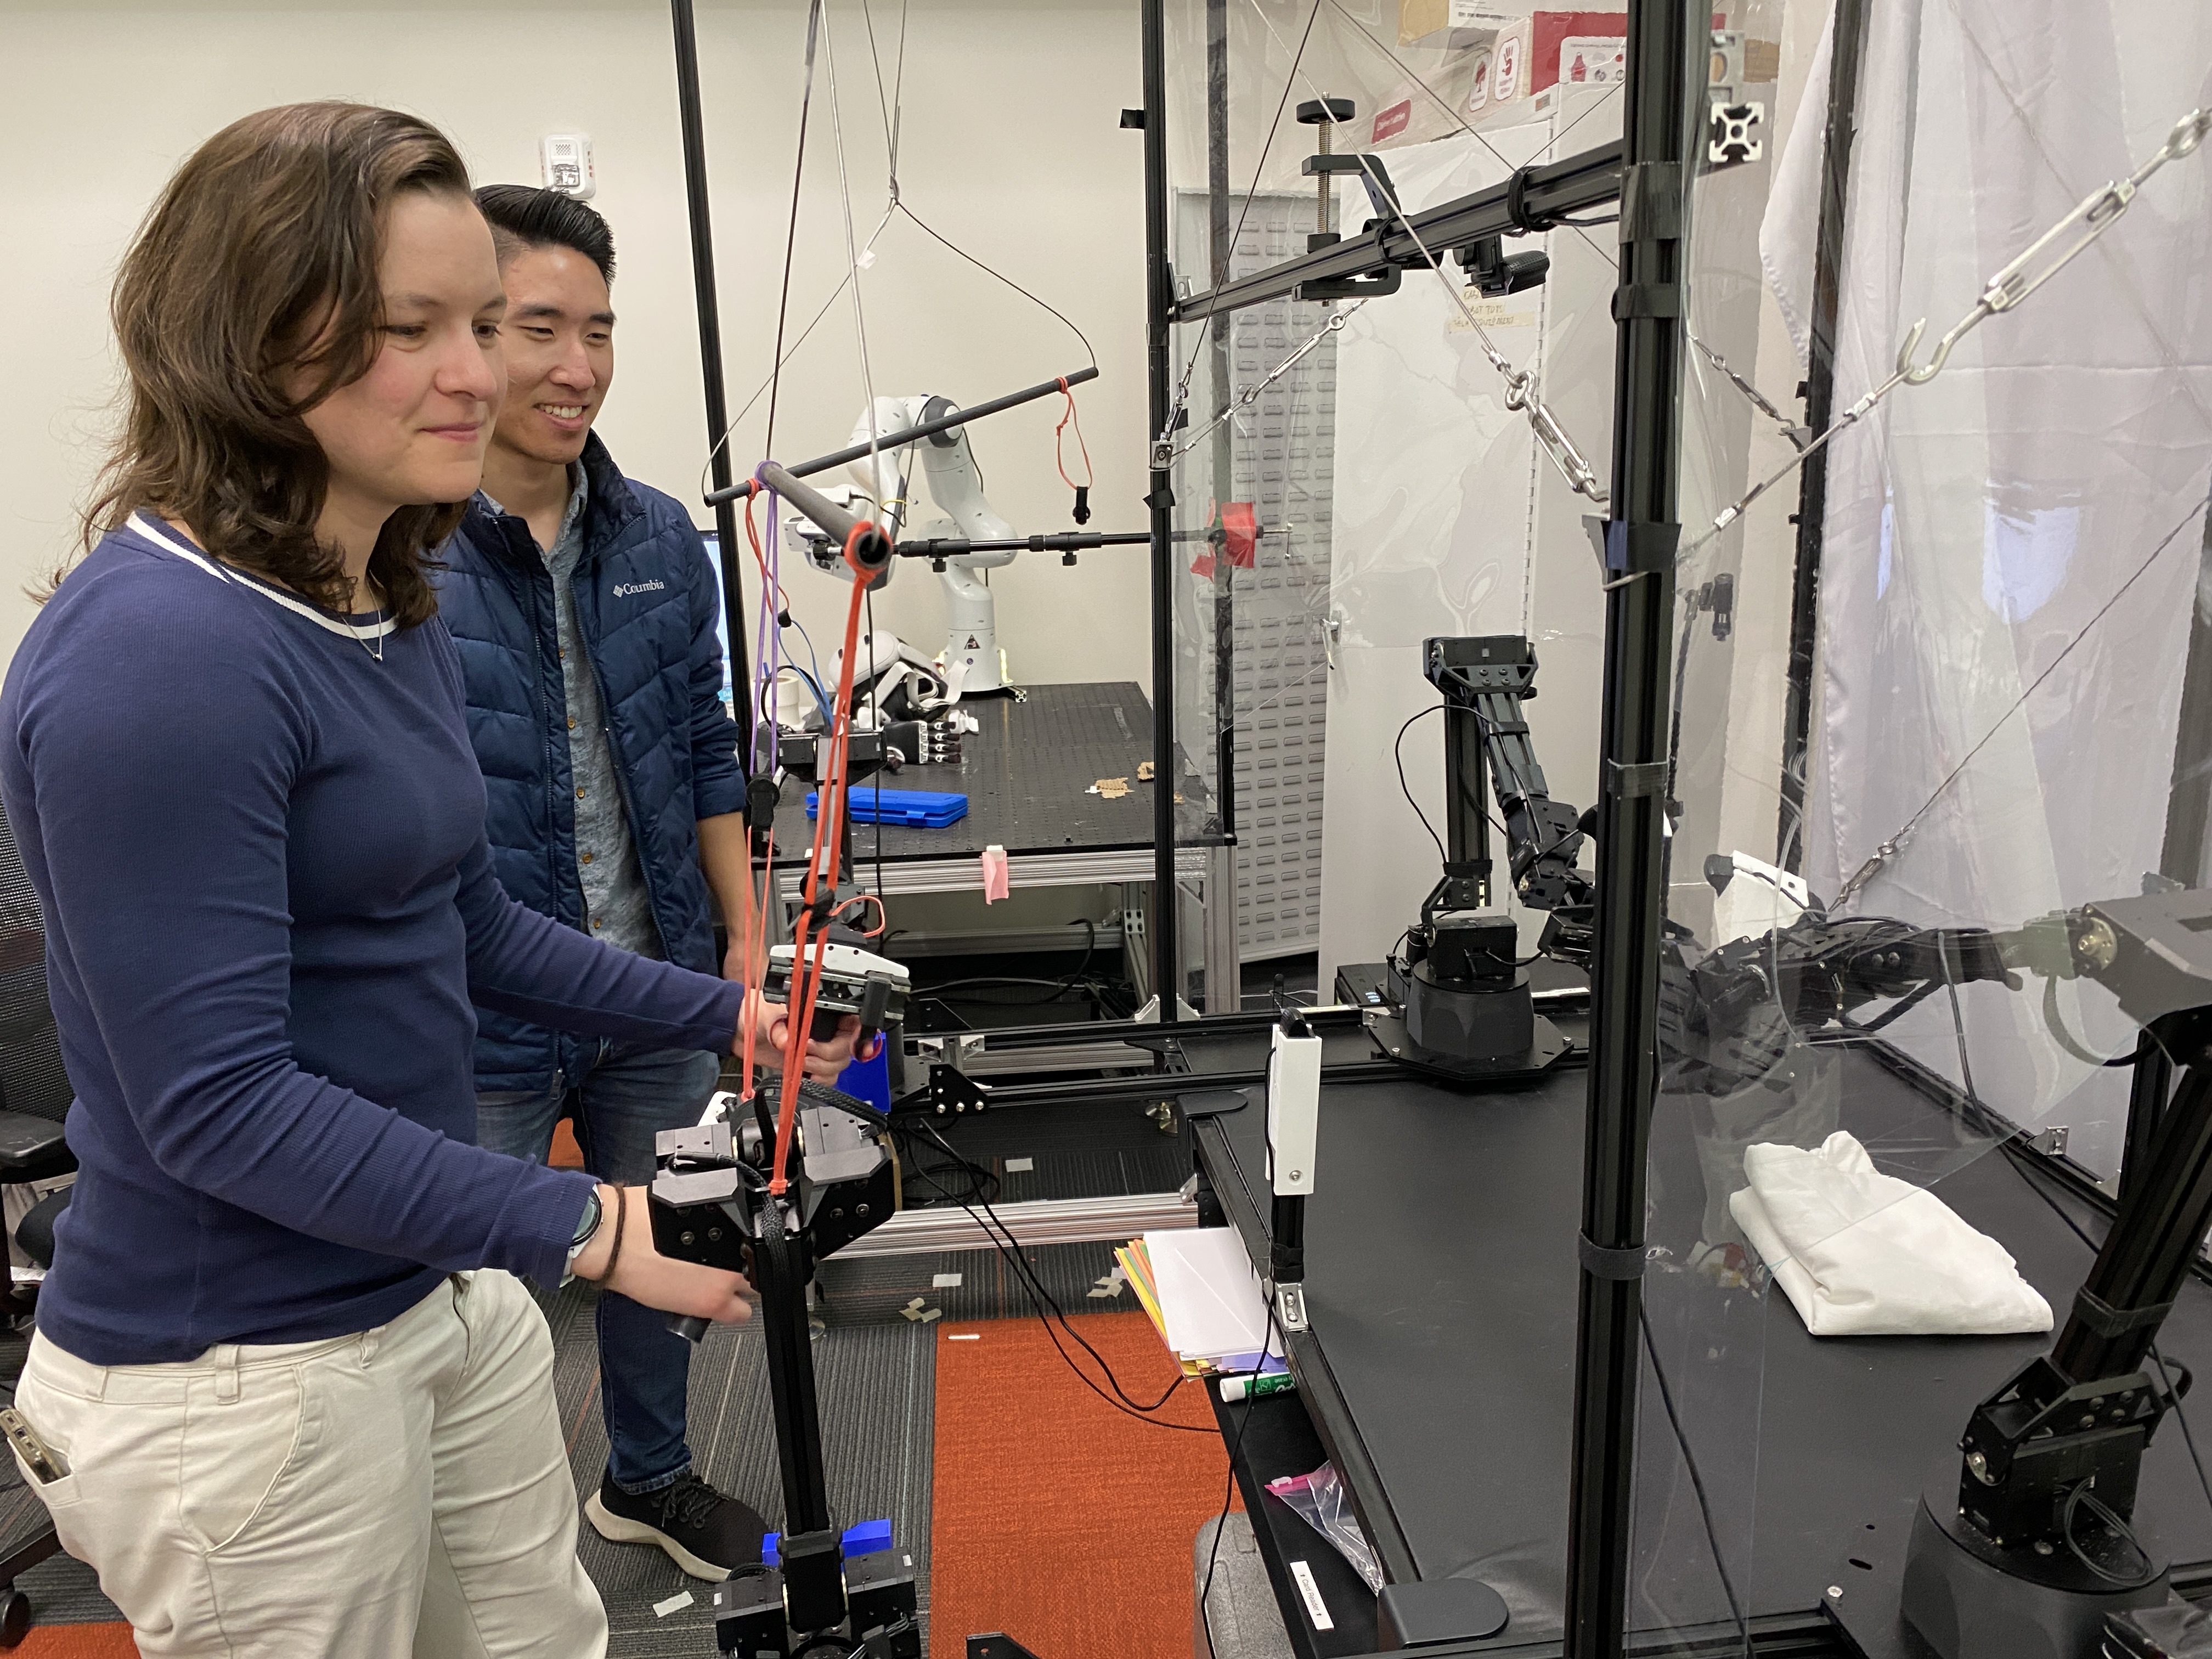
point(1234, 1388)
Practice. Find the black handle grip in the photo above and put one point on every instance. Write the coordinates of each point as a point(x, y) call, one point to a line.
point(689, 1326)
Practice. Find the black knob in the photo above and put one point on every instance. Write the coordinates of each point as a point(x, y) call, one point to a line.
point(1315, 111)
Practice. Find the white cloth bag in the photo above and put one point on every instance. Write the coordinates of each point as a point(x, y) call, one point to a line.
point(1863, 1254)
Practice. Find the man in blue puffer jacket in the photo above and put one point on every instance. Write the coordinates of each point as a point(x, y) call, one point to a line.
point(585, 610)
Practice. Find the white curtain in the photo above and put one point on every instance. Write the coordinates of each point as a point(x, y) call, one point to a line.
point(2001, 639)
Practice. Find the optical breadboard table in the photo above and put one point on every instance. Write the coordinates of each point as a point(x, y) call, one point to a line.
point(1027, 772)
point(1438, 1373)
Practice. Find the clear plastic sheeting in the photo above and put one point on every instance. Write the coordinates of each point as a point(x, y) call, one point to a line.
point(1355, 476)
point(1982, 584)
point(2011, 553)
point(1941, 671)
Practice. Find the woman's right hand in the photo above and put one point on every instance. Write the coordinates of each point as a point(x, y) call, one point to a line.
point(643, 1275)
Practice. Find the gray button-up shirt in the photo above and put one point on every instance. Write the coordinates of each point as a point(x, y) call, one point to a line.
point(616, 906)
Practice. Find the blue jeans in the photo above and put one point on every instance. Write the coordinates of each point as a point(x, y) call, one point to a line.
point(627, 1096)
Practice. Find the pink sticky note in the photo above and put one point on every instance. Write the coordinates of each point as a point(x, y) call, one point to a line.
point(994, 873)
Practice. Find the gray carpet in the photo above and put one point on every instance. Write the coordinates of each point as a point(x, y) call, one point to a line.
point(876, 1386)
point(876, 1377)
point(876, 1383)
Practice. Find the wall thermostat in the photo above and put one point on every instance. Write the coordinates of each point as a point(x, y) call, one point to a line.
point(565, 158)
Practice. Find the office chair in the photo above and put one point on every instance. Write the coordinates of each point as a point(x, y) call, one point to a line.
point(34, 1098)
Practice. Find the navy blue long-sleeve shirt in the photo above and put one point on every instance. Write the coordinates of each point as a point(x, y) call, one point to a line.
point(269, 905)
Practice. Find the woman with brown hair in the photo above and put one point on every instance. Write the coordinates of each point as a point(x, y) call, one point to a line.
point(295, 1401)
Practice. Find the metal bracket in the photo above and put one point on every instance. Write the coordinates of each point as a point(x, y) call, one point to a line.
point(1290, 1306)
point(1372, 286)
point(1640, 547)
point(952, 1092)
point(2050, 1142)
point(1732, 134)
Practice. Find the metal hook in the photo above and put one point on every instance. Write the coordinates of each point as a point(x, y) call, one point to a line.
point(2188, 133)
point(1934, 366)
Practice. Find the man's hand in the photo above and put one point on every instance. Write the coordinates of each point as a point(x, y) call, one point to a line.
point(643, 1275)
point(822, 1061)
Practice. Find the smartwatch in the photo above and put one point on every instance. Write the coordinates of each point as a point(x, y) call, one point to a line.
point(585, 1228)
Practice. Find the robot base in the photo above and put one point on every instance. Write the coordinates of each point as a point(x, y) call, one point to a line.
point(1969, 1598)
point(1542, 1054)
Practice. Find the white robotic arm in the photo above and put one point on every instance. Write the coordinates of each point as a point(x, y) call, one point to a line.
point(956, 486)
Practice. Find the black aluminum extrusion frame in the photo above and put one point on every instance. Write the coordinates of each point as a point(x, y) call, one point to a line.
point(710, 351)
point(1159, 300)
point(1572, 185)
point(1848, 55)
point(1667, 56)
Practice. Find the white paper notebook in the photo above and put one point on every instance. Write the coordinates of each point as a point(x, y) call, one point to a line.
point(1210, 1297)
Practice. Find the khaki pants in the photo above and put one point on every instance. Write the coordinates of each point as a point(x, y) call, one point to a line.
point(403, 1491)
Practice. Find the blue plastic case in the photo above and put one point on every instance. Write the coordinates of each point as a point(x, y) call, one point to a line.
point(911, 808)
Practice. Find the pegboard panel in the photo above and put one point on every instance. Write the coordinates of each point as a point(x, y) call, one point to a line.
point(1282, 454)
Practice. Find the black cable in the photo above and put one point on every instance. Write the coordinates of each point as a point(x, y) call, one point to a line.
point(1087, 347)
point(1101, 992)
point(1398, 754)
point(791, 237)
point(1696, 1480)
point(2104, 1512)
point(2158, 1362)
point(1009, 1248)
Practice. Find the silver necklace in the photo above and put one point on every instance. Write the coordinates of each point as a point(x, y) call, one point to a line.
point(376, 650)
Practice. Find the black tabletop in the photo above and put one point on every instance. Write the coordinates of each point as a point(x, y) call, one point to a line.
point(1441, 1285)
point(1027, 774)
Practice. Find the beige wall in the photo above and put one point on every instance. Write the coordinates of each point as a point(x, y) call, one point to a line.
point(1010, 148)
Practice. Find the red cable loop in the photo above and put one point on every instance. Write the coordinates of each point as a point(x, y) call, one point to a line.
point(828, 831)
point(1059, 444)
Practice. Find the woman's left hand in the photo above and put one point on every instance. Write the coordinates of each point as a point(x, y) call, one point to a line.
point(822, 1061)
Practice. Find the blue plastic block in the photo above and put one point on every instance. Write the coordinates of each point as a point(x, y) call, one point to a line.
point(866, 1538)
point(869, 1079)
point(912, 809)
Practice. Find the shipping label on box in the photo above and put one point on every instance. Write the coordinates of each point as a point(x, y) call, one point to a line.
point(1449, 23)
point(1593, 60)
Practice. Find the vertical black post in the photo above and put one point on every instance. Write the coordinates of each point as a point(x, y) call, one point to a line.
point(710, 360)
point(1160, 293)
point(1847, 52)
point(2150, 1088)
point(792, 1389)
point(1467, 806)
point(1667, 42)
point(1221, 229)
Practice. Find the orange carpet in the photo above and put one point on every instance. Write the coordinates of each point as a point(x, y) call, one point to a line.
point(78, 1641)
point(1056, 1518)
